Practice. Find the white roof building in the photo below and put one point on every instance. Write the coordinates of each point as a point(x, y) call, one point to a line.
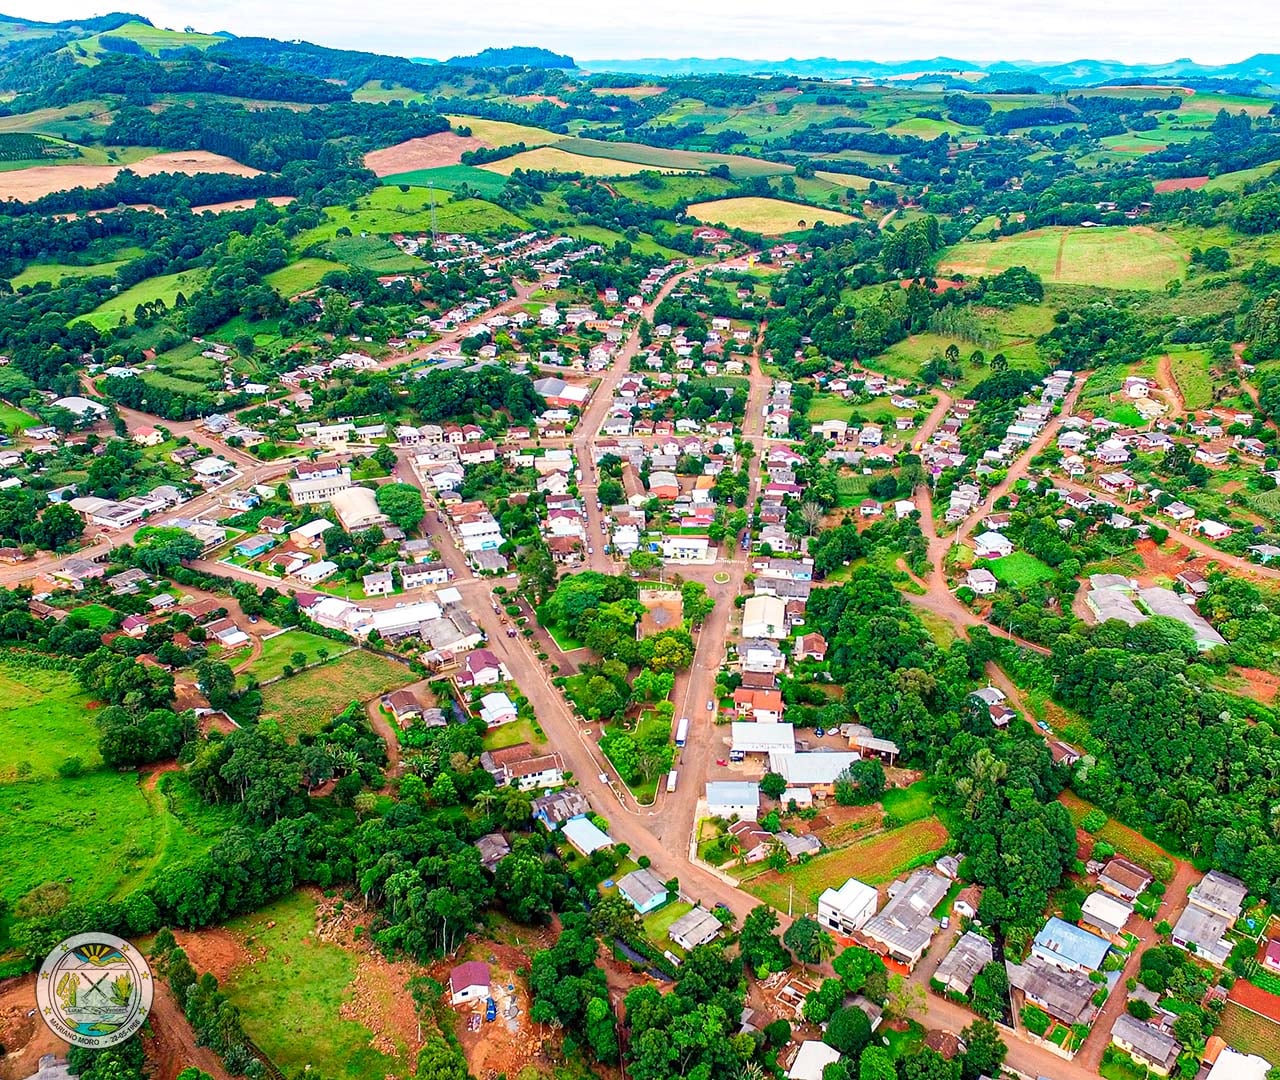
point(811, 1059)
point(847, 908)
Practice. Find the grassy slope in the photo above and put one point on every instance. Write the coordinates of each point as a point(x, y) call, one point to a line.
point(163, 287)
point(769, 216)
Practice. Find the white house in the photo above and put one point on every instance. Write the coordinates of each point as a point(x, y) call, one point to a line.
point(992, 545)
point(847, 908)
point(981, 581)
point(468, 982)
point(496, 708)
point(811, 1060)
point(733, 798)
point(764, 617)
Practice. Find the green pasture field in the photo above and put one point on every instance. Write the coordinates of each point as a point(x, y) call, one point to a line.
point(1229, 181)
point(296, 991)
point(389, 210)
point(277, 651)
point(377, 92)
point(1191, 371)
point(843, 180)
point(450, 178)
point(924, 127)
point(371, 253)
point(308, 701)
point(46, 721)
point(153, 39)
point(299, 276)
point(1020, 569)
point(645, 245)
point(65, 122)
point(771, 217)
point(163, 287)
point(671, 190)
point(1116, 257)
point(56, 273)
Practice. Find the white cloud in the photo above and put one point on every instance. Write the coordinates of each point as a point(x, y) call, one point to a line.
point(1133, 30)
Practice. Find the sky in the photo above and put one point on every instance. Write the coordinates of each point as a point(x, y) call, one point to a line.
point(1126, 30)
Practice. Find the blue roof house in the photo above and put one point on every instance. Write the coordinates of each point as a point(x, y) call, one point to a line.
point(1067, 946)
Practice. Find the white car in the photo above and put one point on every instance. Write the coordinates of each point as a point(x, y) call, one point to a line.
point(711, 705)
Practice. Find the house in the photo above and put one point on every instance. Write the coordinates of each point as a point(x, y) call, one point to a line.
point(847, 908)
point(694, 928)
point(1213, 907)
point(733, 798)
point(419, 575)
point(1271, 957)
point(751, 843)
point(1123, 879)
point(404, 706)
point(905, 927)
point(1233, 1065)
point(317, 572)
point(1194, 582)
point(811, 1060)
point(992, 545)
point(796, 846)
point(319, 489)
point(1214, 530)
point(764, 617)
point(531, 773)
point(468, 982)
point(818, 771)
point(309, 535)
point(1105, 915)
point(810, 647)
point(496, 709)
point(643, 890)
point(379, 583)
point(761, 655)
point(981, 581)
point(762, 706)
point(752, 738)
point(1064, 995)
point(493, 848)
point(970, 954)
point(557, 807)
point(1070, 947)
point(135, 625)
point(357, 509)
point(482, 668)
point(227, 634)
point(1179, 511)
point(1146, 1044)
point(584, 835)
point(147, 436)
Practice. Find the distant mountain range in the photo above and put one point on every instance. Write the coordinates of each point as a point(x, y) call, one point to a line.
point(1262, 68)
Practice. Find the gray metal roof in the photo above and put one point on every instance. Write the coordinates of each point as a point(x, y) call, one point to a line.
point(969, 956)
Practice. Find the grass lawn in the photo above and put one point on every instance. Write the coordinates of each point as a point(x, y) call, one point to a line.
point(12, 417)
point(940, 628)
point(299, 276)
point(1116, 257)
point(1124, 414)
point(290, 999)
point(657, 923)
point(308, 701)
point(371, 253)
point(1249, 1033)
point(561, 637)
point(512, 734)
point(99, 617)
point(876, 860)
point(771, 217)
point(1020, 569)
point(1191, 370)
point(905, 1044)
point(828, 407)
point(162, 287)
point(1231, 180)
point(46, 721)
point(276, 652)
point(914, 803)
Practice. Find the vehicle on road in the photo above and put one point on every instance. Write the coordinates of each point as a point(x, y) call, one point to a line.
point(946, 922)
point(711, 704)
point(672, 776)
point(819, 732)
point(721, 761)
point(682, 731)
point(1042, 725)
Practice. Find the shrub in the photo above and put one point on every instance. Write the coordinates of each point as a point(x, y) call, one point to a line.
point(1035, 1019)
point(1093, 821)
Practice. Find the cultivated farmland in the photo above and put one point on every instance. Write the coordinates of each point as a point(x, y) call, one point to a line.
point(771, 217)
point(308, 701)
point(299, 276)
point(27, 184)
point(553, 159)
point(1116, 257)
point(876, 860)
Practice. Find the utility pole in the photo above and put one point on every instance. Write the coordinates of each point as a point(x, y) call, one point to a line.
point(431, 194)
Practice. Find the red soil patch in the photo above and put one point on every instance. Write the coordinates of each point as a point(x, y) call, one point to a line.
point(1167, 561)
point(1255, 1000)
point(1262, 684)
point(431, 152)
point(941, 285)
point(24, 1037)
point(218, 951)
point(1181, 183)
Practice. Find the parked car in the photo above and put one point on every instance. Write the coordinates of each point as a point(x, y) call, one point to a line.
point(490, 1010)
point(711, 705)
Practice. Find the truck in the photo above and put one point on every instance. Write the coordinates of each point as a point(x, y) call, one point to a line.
point(682, 731)
point(671, 781)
